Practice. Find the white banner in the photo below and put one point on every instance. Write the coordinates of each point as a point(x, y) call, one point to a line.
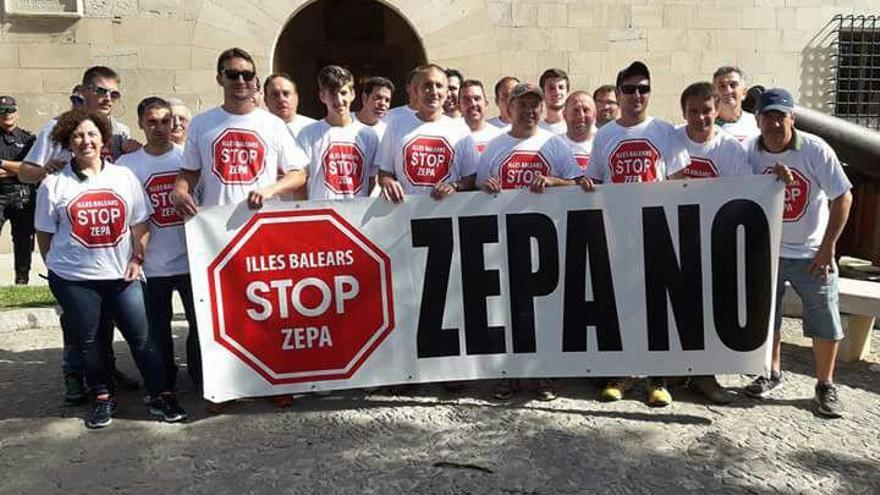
point(674, 278)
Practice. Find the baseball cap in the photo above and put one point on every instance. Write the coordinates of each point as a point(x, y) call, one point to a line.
point(634, 69)
point(7, 103)
point(775, 99)
point(525, 88)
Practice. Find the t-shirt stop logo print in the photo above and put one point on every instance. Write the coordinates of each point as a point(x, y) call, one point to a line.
point(701, 168)
point(239, 156)
point(343, 168)
point(520, 168)
point(797, 195)
point(158, 186)
point(97, 218)
point(634, 160)
point(427, 160)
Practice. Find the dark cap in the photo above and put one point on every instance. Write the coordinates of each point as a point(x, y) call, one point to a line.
point(776, 99)
point(634, 69)
point(525, 88)
point(7, 103)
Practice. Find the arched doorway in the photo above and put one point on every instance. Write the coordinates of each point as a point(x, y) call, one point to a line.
point(365, 36)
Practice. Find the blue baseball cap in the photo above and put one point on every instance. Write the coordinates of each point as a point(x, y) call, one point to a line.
point(776, 99)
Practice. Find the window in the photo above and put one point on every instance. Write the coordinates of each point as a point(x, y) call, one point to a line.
point(857, 90)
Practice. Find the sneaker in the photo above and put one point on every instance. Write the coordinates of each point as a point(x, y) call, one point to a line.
point(709, 388)
point(124, 381)
point(165, 406)
point(546, 391)
point(827, 402)
point(21, 279)
point(658, 394)
point(615, 388)
point(503, 390)
point(763, 385)
point(74, 389)
point(102, 414)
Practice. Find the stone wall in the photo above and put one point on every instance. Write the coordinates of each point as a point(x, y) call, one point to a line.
point(169, 47)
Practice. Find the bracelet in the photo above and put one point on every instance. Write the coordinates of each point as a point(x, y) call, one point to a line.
point(137, 258)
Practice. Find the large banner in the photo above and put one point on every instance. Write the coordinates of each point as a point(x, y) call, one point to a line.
point(674, 278)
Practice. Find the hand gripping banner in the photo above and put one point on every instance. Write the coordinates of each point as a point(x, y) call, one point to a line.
point(674, 278)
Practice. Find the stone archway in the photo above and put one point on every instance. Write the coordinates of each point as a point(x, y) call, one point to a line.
point(366, 36)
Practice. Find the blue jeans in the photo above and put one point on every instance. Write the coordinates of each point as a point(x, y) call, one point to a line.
point(82, 302)
point(821, 316)
point(159, 311)
point(72, 357)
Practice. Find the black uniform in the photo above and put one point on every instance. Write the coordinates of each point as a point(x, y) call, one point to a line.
point(17, 201)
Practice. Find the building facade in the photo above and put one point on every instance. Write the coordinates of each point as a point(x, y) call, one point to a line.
point(169, 47)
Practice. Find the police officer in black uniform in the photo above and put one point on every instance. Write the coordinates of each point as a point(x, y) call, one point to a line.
point(17, 200)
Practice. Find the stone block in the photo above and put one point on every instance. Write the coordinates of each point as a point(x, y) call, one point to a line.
point(144, 31)
point(594, 39)
point(583, 62)
point(758, 18)
point(61, 80)
point(679, 16)
point(116, 56)
point(552, 14)
point(159, 7)
point(525, 14)
point(141, 83)
point(8, 55)
point(19, 81)
point(204, 58)
point(665, 40)
point(647, 16)
point(719, 17)
point(177, 57)
point(95, 31)
point(608, 16)
point(501, 13)
point(54, 56)
point(627, 39)
point(195, 81)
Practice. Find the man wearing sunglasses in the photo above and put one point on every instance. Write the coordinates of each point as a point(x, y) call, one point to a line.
point(237, 150)
point(99, 91)
point(607, 108)
point(16, 199)
point(636, 148)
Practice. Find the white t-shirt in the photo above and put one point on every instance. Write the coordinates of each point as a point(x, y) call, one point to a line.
point(582, 150)
point(484, 135)
point(341, 159)
point(166, 251)
point(299, 123)
point(646, 152)
point(743, 129)
point(721, 156)
point(379, 127)
point(818, 178)
point(90, 221)
point(393, 112)
point(557, 128)
point(515, 161)
point(497, 122)
point(45, 150)
point(422, 154)
point(237, 154)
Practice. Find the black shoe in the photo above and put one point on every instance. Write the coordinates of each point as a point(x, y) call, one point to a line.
point(124, 381)
point(166, 407)
point(22, 279)
point(74, 390)
point(827, 402)
point(764, 385)
point(102, 414)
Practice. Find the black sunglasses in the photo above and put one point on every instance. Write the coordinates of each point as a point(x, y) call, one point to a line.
point(233, 75)
point(102, 92)
point(629, 89)
point(4, 111)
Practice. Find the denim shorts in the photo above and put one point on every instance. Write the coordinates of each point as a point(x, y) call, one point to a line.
point(821, 316)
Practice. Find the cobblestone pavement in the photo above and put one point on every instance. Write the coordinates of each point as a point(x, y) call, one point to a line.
point(430, 441)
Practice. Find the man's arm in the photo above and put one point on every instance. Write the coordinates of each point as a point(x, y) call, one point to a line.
point(291, 182)
point(44, 240)
point(823, 263)
point(181, 196)
point(30, 173)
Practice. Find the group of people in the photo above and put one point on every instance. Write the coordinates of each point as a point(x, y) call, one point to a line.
point(110, 211)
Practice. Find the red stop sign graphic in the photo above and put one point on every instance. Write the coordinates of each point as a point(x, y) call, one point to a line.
point(427, 160)
point(701, 168)
point(158, 186)
point(520, 167)
point(634, 160)
point(305, 307)
point(343, 168)
point(797, 195)
point(98, 218)
point(239, 156)
point(583, 161)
